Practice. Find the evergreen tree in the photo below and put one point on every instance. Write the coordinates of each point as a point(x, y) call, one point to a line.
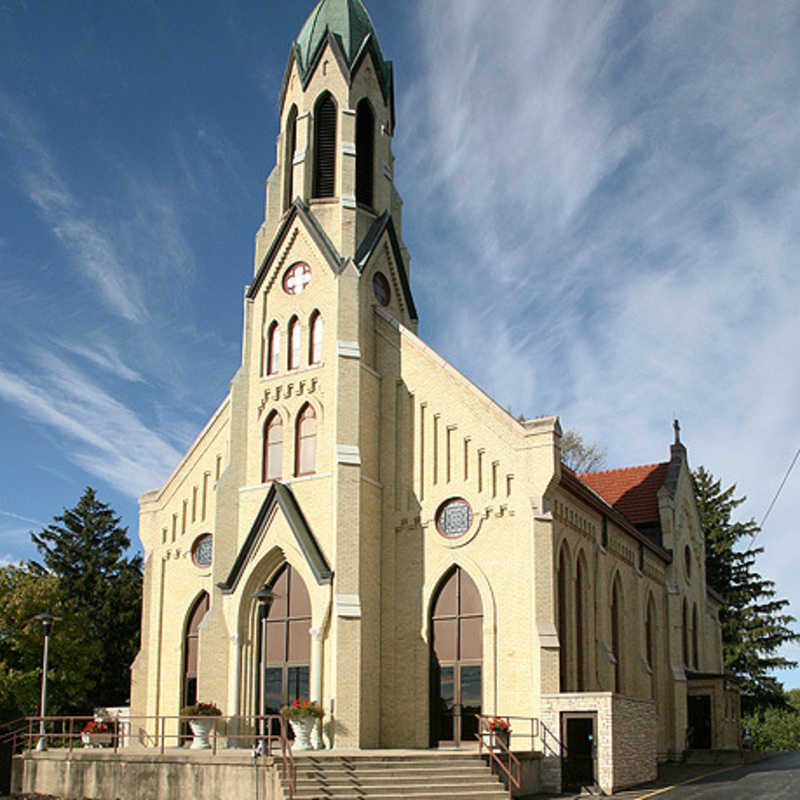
point(754, 624)
point(85, 549)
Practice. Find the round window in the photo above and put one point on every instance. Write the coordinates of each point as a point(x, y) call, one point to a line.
point(380, 286)
point(454, 518)
point(202, 550)
point(296, 278)
point(687, 556)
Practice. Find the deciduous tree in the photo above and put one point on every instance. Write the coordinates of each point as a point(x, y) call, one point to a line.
point(580, 456)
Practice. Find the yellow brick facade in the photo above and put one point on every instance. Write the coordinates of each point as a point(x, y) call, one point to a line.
point(398, 432)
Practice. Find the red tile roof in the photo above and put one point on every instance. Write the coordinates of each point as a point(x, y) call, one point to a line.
point(632, 490)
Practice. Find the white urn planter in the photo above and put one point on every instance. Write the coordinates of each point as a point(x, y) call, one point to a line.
point(201, 728)
point(303, 728)
point(95, 739)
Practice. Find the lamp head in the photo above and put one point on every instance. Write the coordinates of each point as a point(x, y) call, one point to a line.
point(47, 618)
point(264, 595)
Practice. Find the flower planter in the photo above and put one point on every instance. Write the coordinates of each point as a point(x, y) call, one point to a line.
point(96, 739)
point(201, 728)
point(303, 729)
point(502, 738)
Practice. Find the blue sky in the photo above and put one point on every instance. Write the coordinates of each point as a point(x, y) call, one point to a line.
point(601, 204)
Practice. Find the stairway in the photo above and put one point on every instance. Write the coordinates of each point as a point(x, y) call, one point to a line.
point(424, 776)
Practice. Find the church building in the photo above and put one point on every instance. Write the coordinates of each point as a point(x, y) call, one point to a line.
point(361, 525)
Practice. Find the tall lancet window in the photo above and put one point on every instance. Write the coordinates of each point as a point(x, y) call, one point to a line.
point(616, 635)
point(325, 147)
point(294, 343)
point(290, 133)
point(273, 448)
point(315, 339)
point(365, 152)
point(273, 349)
point(306, 442)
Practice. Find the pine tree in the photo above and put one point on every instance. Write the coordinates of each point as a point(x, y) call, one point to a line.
point(754, 624)
point(85, 549)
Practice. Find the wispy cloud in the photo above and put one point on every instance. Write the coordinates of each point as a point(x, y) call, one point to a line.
point(112, 441)
point(19, 517)
point(104, 354)
point(620, 186)
point(92, 250)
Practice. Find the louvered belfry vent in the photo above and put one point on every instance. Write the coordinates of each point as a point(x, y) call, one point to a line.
point(365, 152)
point(291, 144)
point(325, 147)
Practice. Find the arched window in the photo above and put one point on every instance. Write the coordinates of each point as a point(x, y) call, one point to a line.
point(616, 635)
point(273, 349)
point(563, 629)
point(695, 654)
point(325, 147)
point(273, 448)
point(190, 649)
point(315, 339)
point(290, 134)
point(685, 635)
point(306, 441)
point(294, 343)
point(365, 152)
point(650, 643)
point(580, 651)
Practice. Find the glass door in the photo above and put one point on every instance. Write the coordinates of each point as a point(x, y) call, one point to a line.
point(456, 655)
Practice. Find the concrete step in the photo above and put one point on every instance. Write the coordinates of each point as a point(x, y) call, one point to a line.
point(402, 777)
point(394, 770)
point(421, 780)
point(428, 794)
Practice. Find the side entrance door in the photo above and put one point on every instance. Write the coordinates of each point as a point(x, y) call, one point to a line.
point(699, 734)
point(578, 750)
point(456, 661)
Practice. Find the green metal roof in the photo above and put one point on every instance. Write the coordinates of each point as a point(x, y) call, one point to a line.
point(350, 24)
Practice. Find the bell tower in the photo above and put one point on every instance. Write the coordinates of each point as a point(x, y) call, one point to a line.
point(334, 150)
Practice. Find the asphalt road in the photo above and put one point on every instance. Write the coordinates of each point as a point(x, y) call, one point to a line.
point(777, 778)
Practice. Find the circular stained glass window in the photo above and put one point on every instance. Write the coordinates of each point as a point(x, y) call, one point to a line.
point(202, 550)
point(296, 278)
point(454, 518)
point(380, 286)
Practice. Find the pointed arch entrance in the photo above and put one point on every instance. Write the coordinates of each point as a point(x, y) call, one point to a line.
point(456, 660)
point(284, 646)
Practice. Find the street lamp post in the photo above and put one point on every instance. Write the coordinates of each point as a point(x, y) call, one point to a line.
point(264, 596)
point(47, 619)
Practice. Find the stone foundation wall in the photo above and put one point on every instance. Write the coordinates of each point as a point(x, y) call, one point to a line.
point(106, 776)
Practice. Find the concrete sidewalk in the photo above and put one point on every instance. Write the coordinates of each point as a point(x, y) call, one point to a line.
point(669, 775)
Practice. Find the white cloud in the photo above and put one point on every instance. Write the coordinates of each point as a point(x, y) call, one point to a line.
point(112, 441)
point(104, 354)
point(89, 245)
point(619, 185)
point(19, 517)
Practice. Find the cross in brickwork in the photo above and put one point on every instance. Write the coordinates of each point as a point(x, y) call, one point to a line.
point(298, 278)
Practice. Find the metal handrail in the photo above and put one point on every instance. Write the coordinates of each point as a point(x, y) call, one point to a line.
point(487, 737)
point(70, 728)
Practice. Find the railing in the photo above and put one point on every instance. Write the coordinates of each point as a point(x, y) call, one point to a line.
point(488, 738)
point(267, 735)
